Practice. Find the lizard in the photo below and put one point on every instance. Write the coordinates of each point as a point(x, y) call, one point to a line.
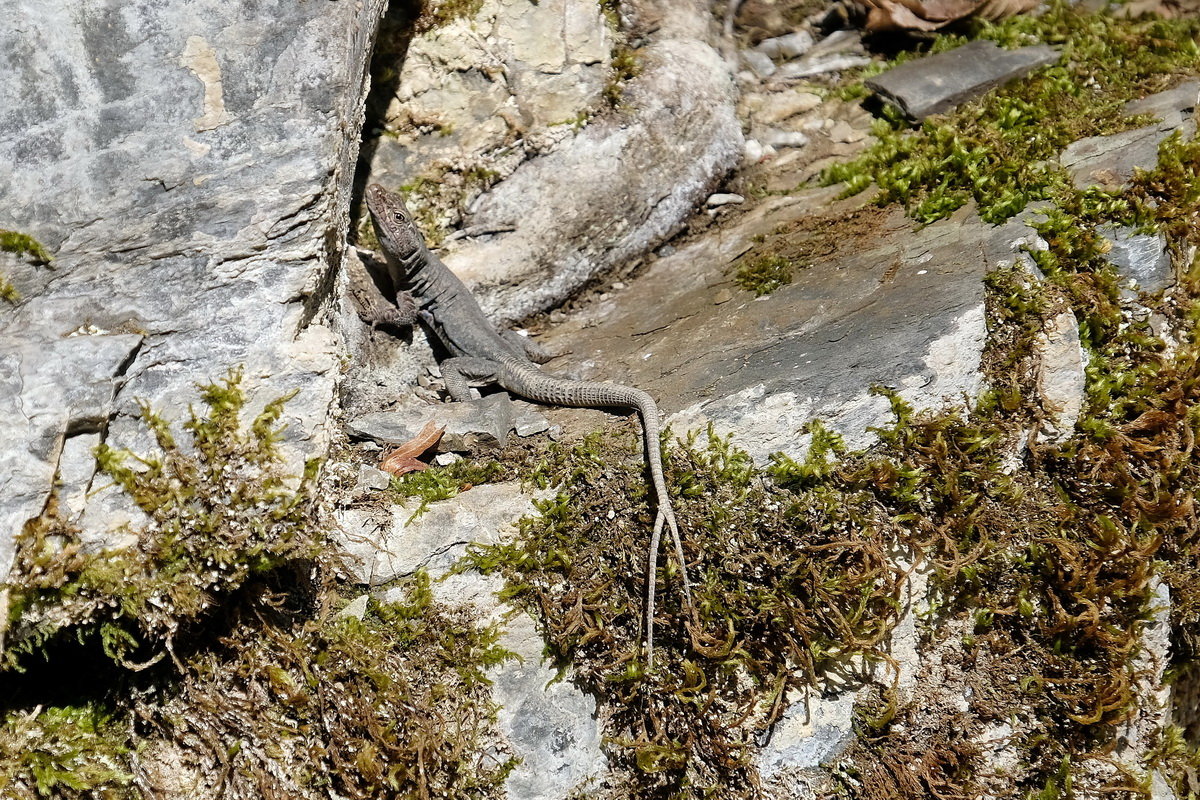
point(429, 292)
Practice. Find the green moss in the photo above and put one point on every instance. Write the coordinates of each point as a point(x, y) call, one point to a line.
point(8, 292)
point(626, 65)
point(220, 512)
point(778, 601)
point(64, 752)
point(999, 151)
point(439, 13)
point(763, 274)
point(23, 244)
point(441, 483)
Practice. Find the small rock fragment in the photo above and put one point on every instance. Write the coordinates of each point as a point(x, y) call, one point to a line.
point(842, 132)
point(758, 63)
point(821, 64)
point(778, 138)
point(786, 105)
point(935, 84)
point(446, 459)
point(753, 151)
point(722, 296)
point(790, 45)
point(1141, 258)
point(371, 479)
point(473, 426)
point(724, 199)
point(355, 609)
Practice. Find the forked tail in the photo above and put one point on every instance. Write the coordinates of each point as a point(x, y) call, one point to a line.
point(530, 382)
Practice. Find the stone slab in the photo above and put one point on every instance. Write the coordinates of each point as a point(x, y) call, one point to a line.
point(936, 84)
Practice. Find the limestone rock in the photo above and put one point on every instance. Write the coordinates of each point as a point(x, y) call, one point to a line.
point(190, 172)
point(389, 543)
point(620, 186)
point(471, 427)
point(1142, 259)
point(1109, 161)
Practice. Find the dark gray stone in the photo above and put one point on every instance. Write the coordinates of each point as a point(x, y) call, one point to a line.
point(1110, 161)
point(936, 84)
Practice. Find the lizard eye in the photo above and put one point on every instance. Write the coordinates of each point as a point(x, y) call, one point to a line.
point(400, 217)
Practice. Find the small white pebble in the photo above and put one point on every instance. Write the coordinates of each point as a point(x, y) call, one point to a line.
point(922, 272)
point(724, 199)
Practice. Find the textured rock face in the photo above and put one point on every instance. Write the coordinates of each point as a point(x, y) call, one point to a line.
point(189, 168)
point(477, 84)
point(570, 204)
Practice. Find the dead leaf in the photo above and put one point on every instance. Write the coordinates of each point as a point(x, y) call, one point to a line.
point(930, 15)
point(403, 459)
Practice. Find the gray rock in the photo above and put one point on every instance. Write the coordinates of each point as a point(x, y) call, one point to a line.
point(1061, 381)
point(356, 608)
point(1162, 105)
point(469, 85)
point(383, 544)
point(1140, 258)
point(549, 723)
point(935, 84)
point(471, 427)
point(644, 170)
point(528, 421)
point(811, 733)
point(1110, 161)
point(778, 138)
point(371, 479)
point(717, 200)
point(820, 64)
point(759, 63)
point(186, 170)
point(790, 45)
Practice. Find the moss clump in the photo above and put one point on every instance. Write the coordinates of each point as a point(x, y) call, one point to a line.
point(221, 511)
point(269, 690)
point(999, 150)
point(72, 753)
point(435, 14)
point(626, 65)
point(24, 245)
point(779, 600)
point(395, 704)
point(763, 274)
point(8, 292)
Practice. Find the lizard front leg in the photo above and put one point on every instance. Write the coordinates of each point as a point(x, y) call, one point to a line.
point(373, 307)
point(457, 373)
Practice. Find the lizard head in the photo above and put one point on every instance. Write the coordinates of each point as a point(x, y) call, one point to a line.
point(393, 224)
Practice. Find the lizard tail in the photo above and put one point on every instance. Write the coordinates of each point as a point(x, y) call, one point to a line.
point(530, 382)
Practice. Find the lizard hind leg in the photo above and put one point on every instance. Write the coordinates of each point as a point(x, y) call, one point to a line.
point(457, 373)
point(527, 346)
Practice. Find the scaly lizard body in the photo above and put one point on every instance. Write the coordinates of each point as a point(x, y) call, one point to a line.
point(481, 353)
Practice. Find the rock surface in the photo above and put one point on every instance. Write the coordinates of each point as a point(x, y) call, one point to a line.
point(1109, 161)
point(905, 311)
point(383, 544)
point(619, 186)
point(190, 171)
point(936, 84)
